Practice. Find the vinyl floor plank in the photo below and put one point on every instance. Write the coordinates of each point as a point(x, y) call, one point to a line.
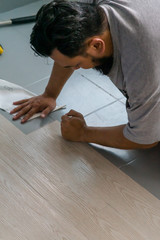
point(63, 190)
point(26, 215)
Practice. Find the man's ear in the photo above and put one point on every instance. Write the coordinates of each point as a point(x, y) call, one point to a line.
point(96, 47)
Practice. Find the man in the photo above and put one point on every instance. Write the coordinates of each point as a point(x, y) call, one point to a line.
point(119, 38)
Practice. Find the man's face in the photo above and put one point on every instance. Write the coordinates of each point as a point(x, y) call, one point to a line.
point(87, 61)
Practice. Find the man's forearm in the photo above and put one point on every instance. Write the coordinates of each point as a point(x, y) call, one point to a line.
point(57, 80)
point(111, 137)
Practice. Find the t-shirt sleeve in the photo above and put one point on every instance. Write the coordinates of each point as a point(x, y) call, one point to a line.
point(143, 89)
point(144, 122)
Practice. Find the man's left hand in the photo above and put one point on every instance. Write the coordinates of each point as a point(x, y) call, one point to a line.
point(73, 126)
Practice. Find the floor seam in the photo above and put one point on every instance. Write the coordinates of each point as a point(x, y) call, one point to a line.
point(31, 84)
point(98, 109)
point(100, 87)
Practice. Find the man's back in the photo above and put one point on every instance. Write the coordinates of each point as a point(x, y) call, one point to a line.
point(134, 27)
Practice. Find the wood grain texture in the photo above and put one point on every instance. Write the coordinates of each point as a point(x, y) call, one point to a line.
point(54, 189)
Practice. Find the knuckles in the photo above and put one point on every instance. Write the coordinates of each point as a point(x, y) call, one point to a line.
point(36, 104)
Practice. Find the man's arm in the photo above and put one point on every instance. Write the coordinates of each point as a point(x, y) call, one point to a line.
point(112, 137)
point(46, 102)
point(58, 78)
point(74, 128)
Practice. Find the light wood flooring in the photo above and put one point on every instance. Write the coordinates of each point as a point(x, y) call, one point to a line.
point(52, 189)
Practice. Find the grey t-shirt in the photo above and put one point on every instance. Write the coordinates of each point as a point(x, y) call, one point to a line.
point(135, 31)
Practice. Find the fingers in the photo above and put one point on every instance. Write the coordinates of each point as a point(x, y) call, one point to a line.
point(71, 115)
point(22, 112)
point(74, 113)
point(28, 111)
point(72, 127)
point(28, 115)
point(17, 109)
point(28, 107)
point(65, 118)
point(46, 112)
point(20, 102)
point(23, 103)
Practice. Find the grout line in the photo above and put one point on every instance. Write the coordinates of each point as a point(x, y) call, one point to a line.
point(100, 87)
point(29, 85)
point(101, 108)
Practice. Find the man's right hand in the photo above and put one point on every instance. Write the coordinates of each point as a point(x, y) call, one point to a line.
point(28, 107)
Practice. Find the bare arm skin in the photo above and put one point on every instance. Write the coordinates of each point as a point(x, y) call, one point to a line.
point(46, 102)
point(58, 78)
point(74, 128)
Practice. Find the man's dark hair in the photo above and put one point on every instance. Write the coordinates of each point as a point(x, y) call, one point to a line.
point(66, 25)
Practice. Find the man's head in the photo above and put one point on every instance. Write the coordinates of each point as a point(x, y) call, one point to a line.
point(71, 30)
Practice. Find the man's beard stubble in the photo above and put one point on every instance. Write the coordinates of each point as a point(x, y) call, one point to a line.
point(104, 64)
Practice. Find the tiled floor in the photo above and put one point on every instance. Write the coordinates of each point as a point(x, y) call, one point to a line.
point(86, 91)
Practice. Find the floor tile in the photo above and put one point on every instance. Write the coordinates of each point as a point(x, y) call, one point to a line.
point(111, 115)
point(18, 62)
point(19, 11)
point(8, 5)
point(102, 81)
point(78, 94)
point(17, 51)
point(27, 10)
